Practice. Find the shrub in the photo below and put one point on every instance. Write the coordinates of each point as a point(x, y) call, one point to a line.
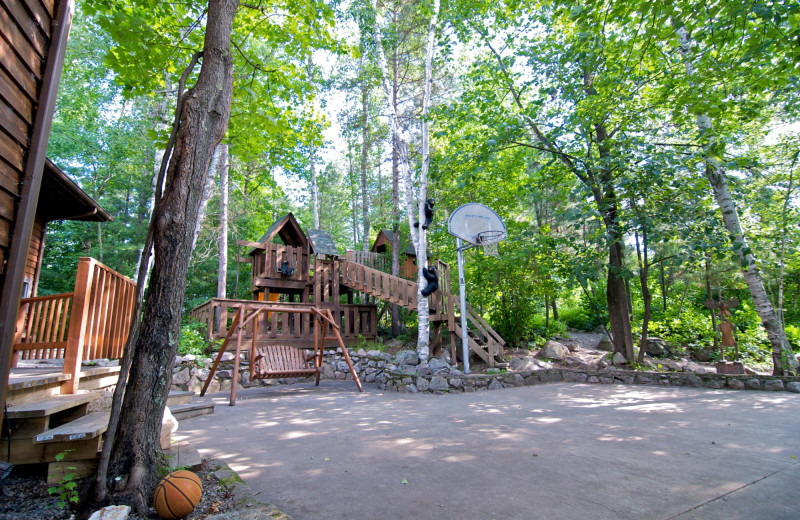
point(793, 336)
point(192, 340)
point(577, 318)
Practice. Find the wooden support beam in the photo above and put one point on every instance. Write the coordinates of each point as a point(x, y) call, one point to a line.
point(254, 245)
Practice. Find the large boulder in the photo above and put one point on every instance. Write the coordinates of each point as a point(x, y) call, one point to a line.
point(702, 355)
point(605, 345)
point(657, 347)
point(438, 365)
point(553, 350)
point(406, 357)
point(181, 377)
point(619, 358)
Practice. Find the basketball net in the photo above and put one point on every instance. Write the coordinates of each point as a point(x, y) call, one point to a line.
point(489, 241)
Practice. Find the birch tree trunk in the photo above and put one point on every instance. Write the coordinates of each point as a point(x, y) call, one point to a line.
point(364, 158)
point(203, 114)
point(207, 190)
point(395, 309)
point(782, 356)
point(417, 234)
point(222, 267)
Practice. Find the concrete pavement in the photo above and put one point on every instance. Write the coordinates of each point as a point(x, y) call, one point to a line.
point(558, 451)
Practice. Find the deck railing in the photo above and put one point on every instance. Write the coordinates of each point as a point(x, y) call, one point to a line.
point(378, 261)
point(282, 326)
point(91, 322)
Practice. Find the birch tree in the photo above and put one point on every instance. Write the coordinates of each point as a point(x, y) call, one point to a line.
point(782, 357)
point(415, 208)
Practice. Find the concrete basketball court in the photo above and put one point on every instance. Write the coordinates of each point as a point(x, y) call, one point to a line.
point(558, 451)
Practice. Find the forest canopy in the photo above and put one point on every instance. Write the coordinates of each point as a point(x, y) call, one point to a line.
point(597, 131)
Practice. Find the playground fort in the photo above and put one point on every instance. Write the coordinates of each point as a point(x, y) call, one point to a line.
point(296, 277)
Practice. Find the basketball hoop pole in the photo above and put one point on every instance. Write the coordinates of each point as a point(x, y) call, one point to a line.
point(462, 289)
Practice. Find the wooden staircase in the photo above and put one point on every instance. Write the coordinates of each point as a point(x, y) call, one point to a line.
point(483, 340)
point(44, 425)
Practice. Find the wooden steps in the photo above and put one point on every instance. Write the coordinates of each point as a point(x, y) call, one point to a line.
point(177, 397)
point(87, 427)
point(50, 406)
point(32, 386)
point(189, 410)
point(55, 425)
point(94, 378)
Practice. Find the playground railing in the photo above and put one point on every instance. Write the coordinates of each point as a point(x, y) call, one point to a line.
point(283, 326)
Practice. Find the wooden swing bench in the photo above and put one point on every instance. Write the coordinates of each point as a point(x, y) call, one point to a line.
point(281, 361)
point(278, 361)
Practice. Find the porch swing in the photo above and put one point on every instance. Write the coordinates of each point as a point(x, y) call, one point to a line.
point(281, 361)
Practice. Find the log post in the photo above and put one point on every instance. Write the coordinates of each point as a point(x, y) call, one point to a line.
point(79, 315)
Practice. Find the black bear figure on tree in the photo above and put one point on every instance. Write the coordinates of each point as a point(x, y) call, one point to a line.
point(433, 280)
point(428, 214)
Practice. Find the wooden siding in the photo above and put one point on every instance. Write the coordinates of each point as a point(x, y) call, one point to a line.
point(34, 250)
point(25, 28)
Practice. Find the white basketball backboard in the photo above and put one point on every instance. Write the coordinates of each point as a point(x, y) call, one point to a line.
point(477, 224)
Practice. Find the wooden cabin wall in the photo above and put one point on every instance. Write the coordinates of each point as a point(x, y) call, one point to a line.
point(25, 29)
point(34, 261)
point(408, 269)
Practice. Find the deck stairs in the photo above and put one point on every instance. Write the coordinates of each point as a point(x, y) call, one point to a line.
point(483, 340)
point(42, 423)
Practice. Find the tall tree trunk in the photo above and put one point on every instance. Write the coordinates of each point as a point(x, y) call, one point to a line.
point(784, 230)
point(204, 113)
point(783, 360)
point(709, 297)
point(417, 234)
point(546, 312)
point(601, 183)
point(395, 309)
point(314, 189)
point(313, 159)
point(647, 297)
point(222, 267)
point(208, 188)
point(364, 156)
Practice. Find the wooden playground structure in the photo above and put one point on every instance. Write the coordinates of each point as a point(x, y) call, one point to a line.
point(297, 281)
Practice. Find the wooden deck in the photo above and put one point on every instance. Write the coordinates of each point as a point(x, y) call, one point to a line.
point(91, 322)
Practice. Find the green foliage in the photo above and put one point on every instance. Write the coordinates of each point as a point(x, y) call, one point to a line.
point(193, 338)
point(66, 489)
point(793, 336)
point(691, 330)
point(540, 332)
point(577, 318)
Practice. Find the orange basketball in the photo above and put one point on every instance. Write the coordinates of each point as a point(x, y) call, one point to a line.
point(177, 494)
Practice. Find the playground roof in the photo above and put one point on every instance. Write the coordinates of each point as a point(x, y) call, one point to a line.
point(288, 230)
point(322, 242)
point(389, 238)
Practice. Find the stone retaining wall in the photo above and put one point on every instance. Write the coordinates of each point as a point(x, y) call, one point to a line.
point(190, 372)
point(438, 377)
point(409, 381)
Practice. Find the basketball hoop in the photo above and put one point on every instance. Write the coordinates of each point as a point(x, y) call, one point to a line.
point(477, 225)
point(489, 241)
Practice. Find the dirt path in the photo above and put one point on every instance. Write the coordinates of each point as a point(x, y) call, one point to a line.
point(586, 340)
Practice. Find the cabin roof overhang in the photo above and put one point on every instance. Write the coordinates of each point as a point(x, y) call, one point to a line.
point(61, 199)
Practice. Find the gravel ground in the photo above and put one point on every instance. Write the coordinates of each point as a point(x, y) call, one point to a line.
point(24, 496)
